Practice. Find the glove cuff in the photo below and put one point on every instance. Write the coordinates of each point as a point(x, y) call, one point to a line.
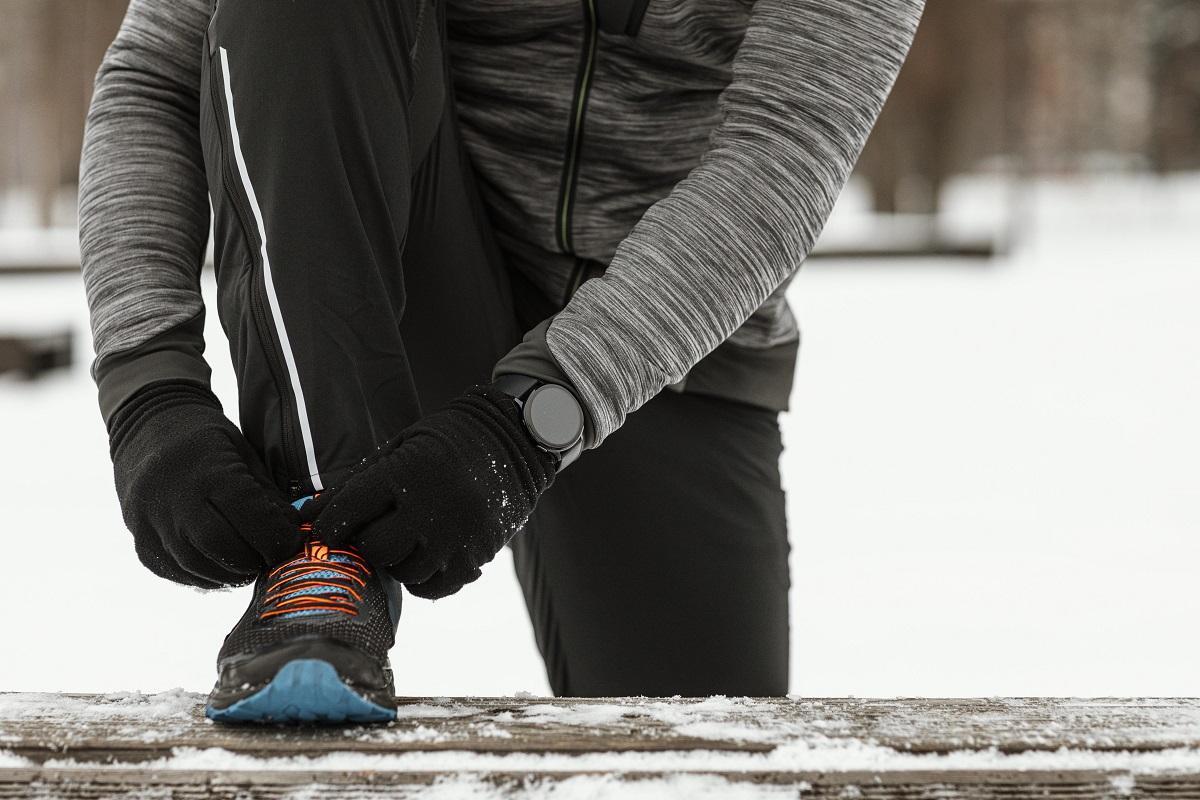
point(151, 401)
point(498, 408)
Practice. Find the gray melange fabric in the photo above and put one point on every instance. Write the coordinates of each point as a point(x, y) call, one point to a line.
point(143, 199)
point(809, 80)
point(715, 142)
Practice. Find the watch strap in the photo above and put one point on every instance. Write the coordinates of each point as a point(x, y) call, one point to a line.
point(518, 386)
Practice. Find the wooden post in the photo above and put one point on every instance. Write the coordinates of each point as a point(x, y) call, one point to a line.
point(32, 356)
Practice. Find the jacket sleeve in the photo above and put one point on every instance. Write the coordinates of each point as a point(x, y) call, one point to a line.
point(809, 80)
point(143, 203)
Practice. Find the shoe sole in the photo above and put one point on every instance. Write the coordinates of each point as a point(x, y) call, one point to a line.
point(303, 690)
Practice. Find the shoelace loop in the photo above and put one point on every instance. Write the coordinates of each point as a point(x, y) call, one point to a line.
point(320, 579)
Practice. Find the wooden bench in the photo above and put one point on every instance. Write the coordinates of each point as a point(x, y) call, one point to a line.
point(161, 746)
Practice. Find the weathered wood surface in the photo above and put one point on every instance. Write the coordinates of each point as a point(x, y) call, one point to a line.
point(101, 746)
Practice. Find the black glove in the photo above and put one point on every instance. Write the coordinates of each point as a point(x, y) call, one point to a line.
point(196, 497)
point(439, 501)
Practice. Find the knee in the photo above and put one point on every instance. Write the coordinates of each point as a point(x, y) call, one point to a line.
point(316, 28)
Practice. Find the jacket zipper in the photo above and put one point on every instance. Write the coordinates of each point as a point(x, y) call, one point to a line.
point(583, 85)
point(577, 273)
point(266, 332)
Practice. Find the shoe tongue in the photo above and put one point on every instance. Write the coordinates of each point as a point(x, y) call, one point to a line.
point(310, 506)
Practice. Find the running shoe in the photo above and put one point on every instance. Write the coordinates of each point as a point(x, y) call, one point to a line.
point(312, 647)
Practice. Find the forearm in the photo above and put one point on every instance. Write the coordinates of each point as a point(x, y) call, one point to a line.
point(143, 203)
point(809, 81)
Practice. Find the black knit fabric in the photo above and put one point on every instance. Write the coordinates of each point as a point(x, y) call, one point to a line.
point(197, 499)
point(439, 501)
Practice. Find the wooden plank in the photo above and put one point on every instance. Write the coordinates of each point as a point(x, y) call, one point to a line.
point(145, 727)
point(160, 745)
point(843, 786)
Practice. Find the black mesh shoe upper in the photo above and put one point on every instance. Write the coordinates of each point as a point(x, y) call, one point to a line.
point(322, 593)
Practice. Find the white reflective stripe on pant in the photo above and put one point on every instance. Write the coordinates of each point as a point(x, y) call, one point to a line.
point(268, 282)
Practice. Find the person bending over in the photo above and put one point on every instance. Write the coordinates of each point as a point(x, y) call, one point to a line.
point(458, 245)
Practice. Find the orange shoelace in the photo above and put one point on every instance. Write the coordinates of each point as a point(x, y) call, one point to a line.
point(320, 579)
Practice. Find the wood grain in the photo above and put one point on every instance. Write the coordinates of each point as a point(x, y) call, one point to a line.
point(97, 746)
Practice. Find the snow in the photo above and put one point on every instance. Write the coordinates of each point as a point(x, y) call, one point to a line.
point(597, 787)
point(587, 787)
point(716, 718)
point(1123, 784)
point(38, 247)
point(146, 717)
point(796, 746)
point(120, 706)
point(427, 711)
point(991, 468)
point(837, 756)
point(587, 715)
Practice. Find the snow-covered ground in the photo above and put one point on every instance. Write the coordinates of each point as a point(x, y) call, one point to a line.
point(993, 475)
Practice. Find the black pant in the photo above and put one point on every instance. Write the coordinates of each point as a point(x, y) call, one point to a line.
point(359, 284)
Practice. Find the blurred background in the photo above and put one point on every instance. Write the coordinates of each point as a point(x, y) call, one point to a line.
point(992, 449)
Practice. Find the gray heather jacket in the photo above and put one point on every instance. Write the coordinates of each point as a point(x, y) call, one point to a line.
point(683, 154)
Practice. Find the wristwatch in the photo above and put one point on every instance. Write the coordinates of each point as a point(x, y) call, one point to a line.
point(552, 414)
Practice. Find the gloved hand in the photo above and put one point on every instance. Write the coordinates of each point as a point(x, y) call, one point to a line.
point(441, 499)
point(196, 497)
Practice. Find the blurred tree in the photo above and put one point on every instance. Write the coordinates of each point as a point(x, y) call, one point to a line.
point(1176, 36)
point(1019, 85)
point(49, 51)
point(946, 111)
point(1038, 86)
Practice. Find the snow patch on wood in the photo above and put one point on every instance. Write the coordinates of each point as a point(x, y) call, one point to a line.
point(564, 748)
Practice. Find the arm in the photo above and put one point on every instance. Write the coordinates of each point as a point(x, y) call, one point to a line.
point(808, 82)
point(143, 203)
point(193, 493)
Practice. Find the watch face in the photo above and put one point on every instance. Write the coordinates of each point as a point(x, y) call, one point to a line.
point(554, 417)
